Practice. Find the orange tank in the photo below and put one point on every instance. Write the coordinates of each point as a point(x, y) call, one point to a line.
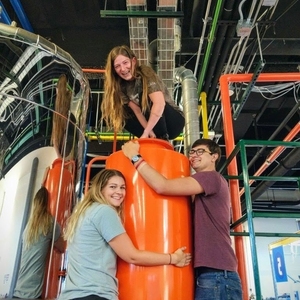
point(155, 223)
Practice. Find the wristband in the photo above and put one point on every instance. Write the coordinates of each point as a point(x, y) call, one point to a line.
point(138, 164)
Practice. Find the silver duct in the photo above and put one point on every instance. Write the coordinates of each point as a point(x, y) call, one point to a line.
point(190, 105)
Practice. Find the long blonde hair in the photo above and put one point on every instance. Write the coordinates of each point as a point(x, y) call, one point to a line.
point(112, 109)
point(62, 107)
point(40, 219)
point(93, 195)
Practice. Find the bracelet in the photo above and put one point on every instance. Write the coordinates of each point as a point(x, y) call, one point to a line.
point(139, 162)
point(170, 262)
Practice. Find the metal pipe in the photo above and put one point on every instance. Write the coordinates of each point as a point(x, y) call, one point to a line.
point(190, 105)
point(202, 36)
point(218, 46)
point(208, 48)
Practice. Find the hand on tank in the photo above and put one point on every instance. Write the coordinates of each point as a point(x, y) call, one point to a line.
point(131, 149)
point(181, 259)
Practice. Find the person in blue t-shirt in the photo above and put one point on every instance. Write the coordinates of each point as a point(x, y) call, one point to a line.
point(95, 237)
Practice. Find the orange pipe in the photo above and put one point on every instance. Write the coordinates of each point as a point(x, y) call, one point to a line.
point(233, 184)
point(230, 144)
point(88, 171)
point(274, 154)
point(93, 70)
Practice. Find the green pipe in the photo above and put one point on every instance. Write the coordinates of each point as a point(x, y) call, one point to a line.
point(208, 49)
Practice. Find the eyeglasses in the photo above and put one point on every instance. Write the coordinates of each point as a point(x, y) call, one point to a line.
point(199, 151)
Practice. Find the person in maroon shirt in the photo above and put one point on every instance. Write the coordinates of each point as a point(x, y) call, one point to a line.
point(215, 262)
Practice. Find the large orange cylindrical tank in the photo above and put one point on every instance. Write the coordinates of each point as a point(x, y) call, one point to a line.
point(59, 182)
point(156, 223)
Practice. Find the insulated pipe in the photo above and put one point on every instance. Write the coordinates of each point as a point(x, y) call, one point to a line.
point(230, 144)
point(190, 105)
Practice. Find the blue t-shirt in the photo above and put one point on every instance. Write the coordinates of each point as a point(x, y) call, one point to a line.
point(91, 268)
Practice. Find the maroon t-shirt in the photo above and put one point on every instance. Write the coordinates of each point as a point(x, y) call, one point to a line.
point(212, 240)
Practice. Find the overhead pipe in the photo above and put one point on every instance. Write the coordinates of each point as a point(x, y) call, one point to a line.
point(16, 4)
point(216, 73)
point(219, 42)
point(205, 20)
point(230, 145)
point(208, 48)
point(4, 17)
point(290, 5)
point(244, 48)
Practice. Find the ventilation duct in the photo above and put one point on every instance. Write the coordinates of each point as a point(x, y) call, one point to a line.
point(190, 105)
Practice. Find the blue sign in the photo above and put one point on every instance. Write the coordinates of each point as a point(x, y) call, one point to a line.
point(279, 264)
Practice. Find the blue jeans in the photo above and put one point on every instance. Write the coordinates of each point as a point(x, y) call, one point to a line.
point(220, 285)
